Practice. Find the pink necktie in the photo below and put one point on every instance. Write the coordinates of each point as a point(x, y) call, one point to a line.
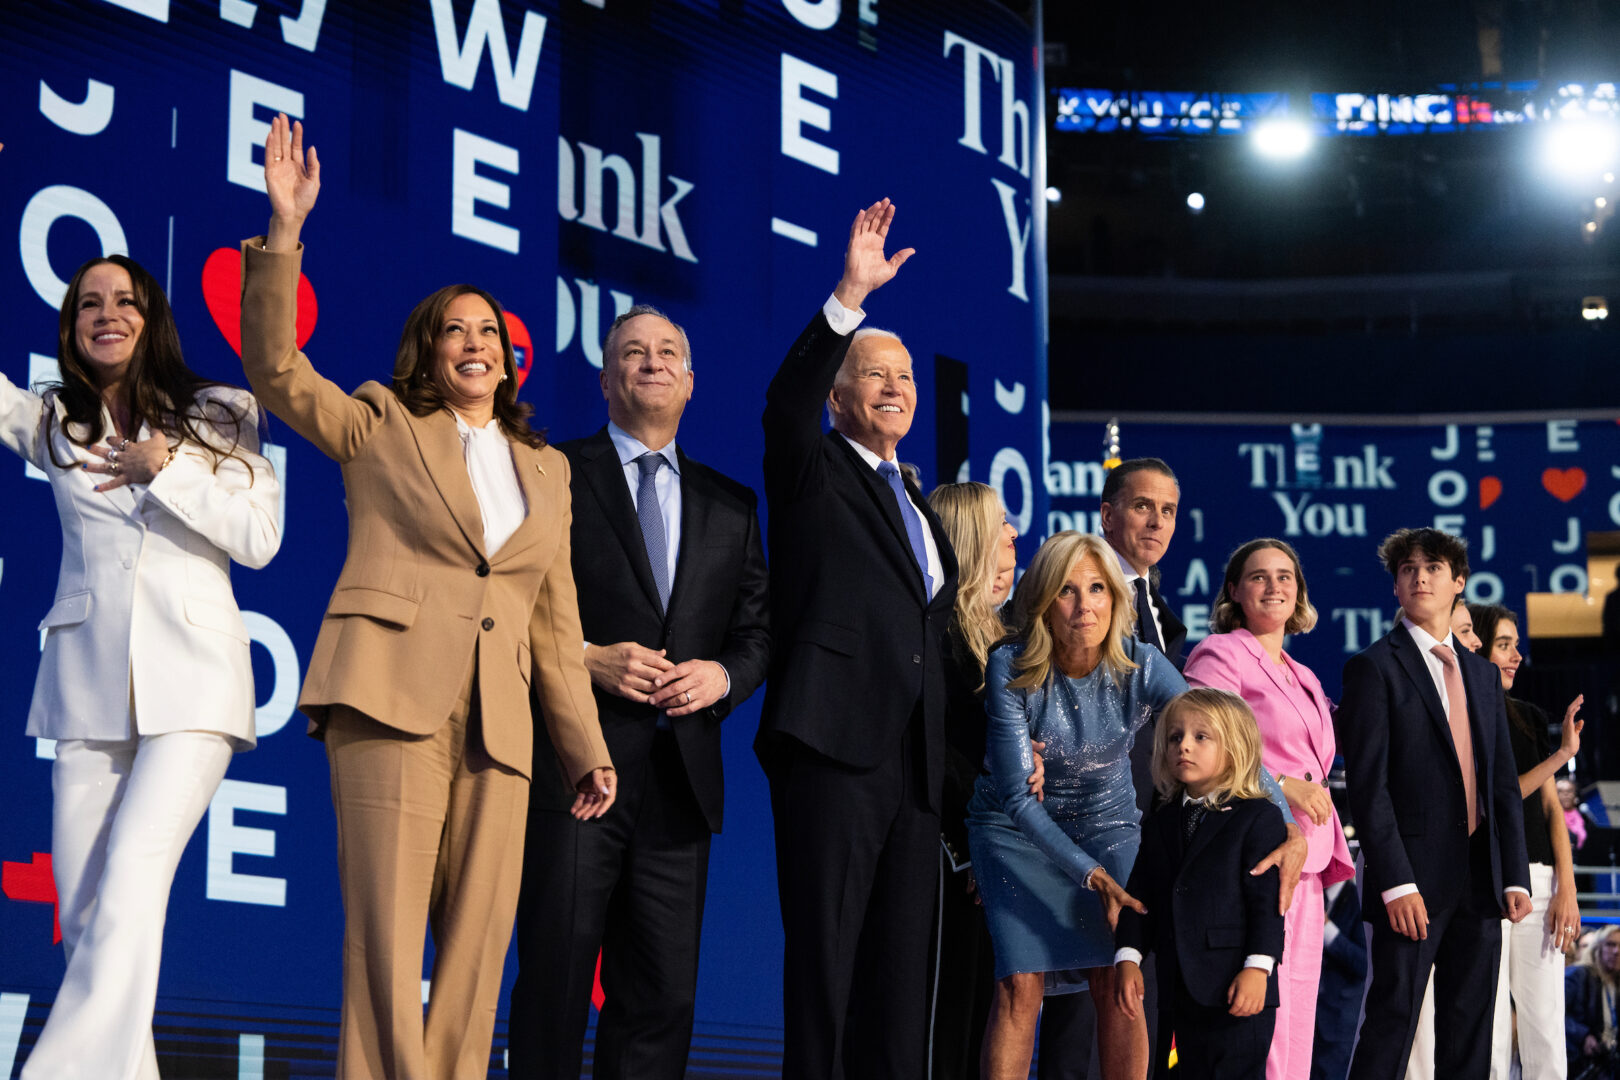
point(1461, 736)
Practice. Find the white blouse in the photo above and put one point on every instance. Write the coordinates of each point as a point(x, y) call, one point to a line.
point(494, 478)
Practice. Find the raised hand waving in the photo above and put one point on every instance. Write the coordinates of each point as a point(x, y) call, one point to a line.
point(292, 178)
point(865, 266)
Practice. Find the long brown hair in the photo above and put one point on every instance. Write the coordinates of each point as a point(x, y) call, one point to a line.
point(413, 366)
point(1487, 619)
point(158, 389)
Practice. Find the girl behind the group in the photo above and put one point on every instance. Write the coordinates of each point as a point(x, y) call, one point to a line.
point(1215, 926)
point(1533, 949)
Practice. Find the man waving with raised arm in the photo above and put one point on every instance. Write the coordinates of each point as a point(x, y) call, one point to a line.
point(862, 582)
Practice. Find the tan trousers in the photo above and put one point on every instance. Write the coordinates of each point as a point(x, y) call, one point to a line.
point(429, 828)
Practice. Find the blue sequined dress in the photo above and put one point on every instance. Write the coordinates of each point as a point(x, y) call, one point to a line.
point(1030, 857)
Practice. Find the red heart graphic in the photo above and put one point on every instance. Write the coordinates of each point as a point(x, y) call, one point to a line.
point(522, 348)
point(1490, 489)
point(1564, 484)
point(222, 292)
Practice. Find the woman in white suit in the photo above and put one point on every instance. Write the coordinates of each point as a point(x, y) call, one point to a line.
point(145, 679)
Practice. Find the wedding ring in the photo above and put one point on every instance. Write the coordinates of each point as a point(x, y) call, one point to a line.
point(689, 697)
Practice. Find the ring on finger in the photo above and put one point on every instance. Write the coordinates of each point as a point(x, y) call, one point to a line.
point(688, 697)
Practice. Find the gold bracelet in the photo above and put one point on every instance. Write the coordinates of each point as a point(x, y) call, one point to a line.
point(166, 461)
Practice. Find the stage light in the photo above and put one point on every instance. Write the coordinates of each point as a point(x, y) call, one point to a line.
point(1600, 202)
point(1195, 202)
point(1053, 195)
point(1282, 140)
point(1594, 308)
point(1581, 148)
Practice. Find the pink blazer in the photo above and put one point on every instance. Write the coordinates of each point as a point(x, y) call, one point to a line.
point(1294, 741)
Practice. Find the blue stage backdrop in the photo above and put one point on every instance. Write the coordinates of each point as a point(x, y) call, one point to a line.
point(573, 157)
point(1524, 495)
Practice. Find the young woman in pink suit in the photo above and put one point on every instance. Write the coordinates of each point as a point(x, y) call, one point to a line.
point(1263, 599)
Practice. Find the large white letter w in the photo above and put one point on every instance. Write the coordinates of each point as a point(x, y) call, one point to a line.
point(513, 83)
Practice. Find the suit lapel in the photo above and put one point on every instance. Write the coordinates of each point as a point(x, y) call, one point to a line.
point(445, 461)
point(881, 494)
point(604, 476)
point(526, 460)
point(1214, 821)
point(696, 507)
point(1277, 674)
point(122, 497)
point(1417, 669)
point(1477, 694)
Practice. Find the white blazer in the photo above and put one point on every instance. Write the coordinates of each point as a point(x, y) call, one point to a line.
point(144, 612)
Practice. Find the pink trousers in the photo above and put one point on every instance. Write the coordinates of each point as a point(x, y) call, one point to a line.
point(1297, 979)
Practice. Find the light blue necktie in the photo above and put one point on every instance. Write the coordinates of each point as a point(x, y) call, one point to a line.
point(908, 514)
point(651, 516)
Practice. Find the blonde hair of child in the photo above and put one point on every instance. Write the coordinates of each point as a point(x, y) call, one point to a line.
point(1233, 722)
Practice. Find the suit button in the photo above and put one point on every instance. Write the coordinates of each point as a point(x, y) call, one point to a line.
point(916, 658)
point(129, 564)
point(489, 624)
point(483, 570)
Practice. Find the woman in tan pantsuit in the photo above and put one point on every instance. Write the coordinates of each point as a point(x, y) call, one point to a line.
point(456, 597)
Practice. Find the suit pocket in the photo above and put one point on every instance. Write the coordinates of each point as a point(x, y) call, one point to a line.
point(376, 604)
point(525, 663)
point(1225, 937)
point(67, 611)
point(839, 639)
point(217, 617)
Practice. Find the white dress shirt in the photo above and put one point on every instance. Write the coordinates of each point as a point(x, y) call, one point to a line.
point(667, 483)
point(843, 322)
point(1437, 673)
point(1253, 960)
point(1131, 575)
point(494, 478)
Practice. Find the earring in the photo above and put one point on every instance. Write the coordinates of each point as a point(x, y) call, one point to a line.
point(503, 378)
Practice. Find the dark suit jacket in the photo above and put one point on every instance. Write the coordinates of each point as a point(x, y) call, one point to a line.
point(717, 606)
point(1404, 781)
point(1175, 631)
point(1206, 914)
point(860, 646)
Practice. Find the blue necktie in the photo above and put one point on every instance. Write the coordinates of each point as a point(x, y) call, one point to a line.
point(908, 514)
point(651, 516)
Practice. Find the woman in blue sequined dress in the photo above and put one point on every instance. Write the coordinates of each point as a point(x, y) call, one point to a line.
point(1050, 872)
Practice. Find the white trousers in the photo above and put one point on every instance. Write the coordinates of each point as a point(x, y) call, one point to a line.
point(1420, 1065)
point(122, 814)
point(1533, 973)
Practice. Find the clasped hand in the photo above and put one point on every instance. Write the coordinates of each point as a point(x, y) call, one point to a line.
point(634, 672)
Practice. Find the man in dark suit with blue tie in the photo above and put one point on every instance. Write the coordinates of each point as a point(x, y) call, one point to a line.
point(1435, 797)
point(852, 740)
point(671, 578)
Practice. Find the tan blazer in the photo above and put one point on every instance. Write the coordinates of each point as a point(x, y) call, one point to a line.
point(418, 594)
